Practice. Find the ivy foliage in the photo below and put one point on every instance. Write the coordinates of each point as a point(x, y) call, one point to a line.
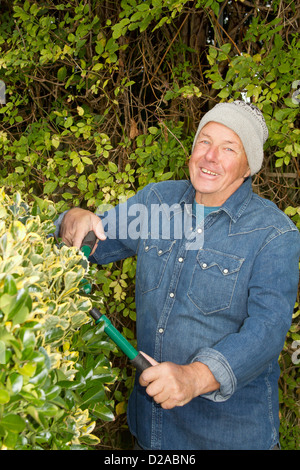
point(267, 78)
point(102, 99)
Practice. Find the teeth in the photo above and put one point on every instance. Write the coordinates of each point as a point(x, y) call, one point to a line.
point(209, 172)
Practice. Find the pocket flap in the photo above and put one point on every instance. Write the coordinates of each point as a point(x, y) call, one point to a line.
point(227, 264)
point(160, 246)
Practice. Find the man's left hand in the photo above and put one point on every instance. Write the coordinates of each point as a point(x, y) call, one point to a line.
point(173, 385)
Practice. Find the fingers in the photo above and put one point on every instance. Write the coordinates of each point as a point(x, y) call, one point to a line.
point(158, 391)
point(169, 384)
point(77, 223)
point(78, 238)
point(150, 379)
point(160, 383)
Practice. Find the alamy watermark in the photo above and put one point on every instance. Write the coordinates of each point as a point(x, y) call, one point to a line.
point(2, 92)
point(296, 93)
point(157, 221)
point(296, 354)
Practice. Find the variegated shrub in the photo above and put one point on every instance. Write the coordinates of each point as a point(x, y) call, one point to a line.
point(54, 374)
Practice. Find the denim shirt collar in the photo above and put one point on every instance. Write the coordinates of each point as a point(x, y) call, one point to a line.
point(235, 204)
point(239, 200)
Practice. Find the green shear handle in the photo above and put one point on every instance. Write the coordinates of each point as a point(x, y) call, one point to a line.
point(137, 359)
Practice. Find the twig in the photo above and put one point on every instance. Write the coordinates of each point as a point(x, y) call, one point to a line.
point(169, 47)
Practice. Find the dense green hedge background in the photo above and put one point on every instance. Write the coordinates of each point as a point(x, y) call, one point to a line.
point(104, 97)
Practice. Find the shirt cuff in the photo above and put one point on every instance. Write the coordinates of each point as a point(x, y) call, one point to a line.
point(222, 372)
point(58, 222)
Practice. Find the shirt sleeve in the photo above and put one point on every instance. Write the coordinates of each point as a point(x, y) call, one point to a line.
point(241, 357)
point(58, 222)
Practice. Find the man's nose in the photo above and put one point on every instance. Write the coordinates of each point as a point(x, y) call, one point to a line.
point(212, 153)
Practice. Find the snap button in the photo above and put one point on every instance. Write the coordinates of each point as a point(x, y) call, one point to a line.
point(161, 330)
point(225, 271)
point(160, 252)
point(146, 248)
point(180, 260)
point(204, 265)
point(172, 294)
point(199, 230)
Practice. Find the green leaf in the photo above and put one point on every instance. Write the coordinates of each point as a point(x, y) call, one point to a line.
point(166, 176)
point(285, 68)
point(28, 338)
point(28, 369)
point(62, 73)
point(13, 423)
point(93, 395)
point(213, 52)
point(68, 122)
point(50, 187)
point(113, 167)
point(80, 167)
point(89, 439)
point(6, 303)
point(22, 303)
point(16, 382)
point(87, 160)
point(226, 48)
point(281, 114)
point(53, 392)
point(2, 352)
point(10, 439)
point(127, 333)
point(103, 412)
point(224, 93)
point(21, 316)
point(4, 398)
point(55, 141)
point(10, 285)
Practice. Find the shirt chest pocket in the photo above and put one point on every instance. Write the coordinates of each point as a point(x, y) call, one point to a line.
point(152, 262)
point(214, 280)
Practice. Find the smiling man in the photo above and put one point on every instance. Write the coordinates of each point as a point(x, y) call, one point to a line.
point(218, 165)
point(212, 319)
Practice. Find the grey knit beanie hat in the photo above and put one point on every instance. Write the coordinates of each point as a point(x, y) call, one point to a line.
point(247, 121)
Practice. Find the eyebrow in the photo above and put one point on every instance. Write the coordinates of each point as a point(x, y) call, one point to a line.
point(231, 142)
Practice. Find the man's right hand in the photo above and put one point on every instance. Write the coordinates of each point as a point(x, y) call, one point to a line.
point(77, 223)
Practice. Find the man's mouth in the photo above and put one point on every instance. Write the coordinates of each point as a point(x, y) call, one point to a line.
point(209, 172)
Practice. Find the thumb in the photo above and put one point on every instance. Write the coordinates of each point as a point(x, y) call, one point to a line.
point(98, 228)
point(147, 376)
point(150, 359)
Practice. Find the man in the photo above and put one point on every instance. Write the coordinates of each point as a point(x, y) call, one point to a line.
point(214, 299)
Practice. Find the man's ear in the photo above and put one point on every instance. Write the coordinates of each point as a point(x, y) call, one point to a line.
point(248, 172)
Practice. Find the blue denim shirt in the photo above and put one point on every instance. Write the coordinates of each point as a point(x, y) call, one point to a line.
point(227, 303)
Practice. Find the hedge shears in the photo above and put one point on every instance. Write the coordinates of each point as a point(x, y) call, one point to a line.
point(137, 359)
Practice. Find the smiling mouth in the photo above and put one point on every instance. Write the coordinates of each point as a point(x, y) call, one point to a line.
point(208, 172)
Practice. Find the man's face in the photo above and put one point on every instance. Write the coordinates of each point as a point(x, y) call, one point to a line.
point(218, 164)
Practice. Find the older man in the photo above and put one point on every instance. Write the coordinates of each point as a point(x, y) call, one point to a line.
point(214, 299)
